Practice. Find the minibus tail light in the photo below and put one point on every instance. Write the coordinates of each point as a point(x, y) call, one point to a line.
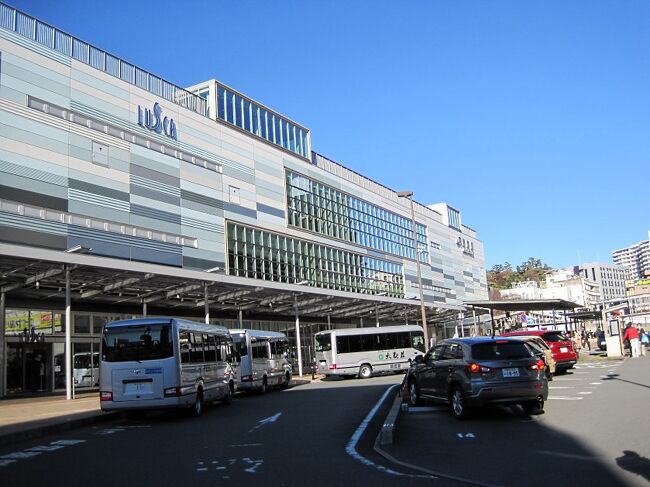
point(332, 367)
point(172, 392)
point(105, 396)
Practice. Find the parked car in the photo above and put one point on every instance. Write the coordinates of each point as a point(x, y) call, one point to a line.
point(562, 349)
point(473, 372)
point(542, 350)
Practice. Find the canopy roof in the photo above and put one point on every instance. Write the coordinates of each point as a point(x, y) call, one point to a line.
point(525, 305)
point(31, 274)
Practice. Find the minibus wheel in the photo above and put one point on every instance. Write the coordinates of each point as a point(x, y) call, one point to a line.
point(197, 410)
point(365, 371)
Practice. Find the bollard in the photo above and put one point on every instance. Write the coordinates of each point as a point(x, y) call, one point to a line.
point(313, 371)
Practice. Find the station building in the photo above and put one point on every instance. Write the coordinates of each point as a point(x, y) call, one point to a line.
point(123, 195)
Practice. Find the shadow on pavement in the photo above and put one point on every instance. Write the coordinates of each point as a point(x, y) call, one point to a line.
point(633, 462)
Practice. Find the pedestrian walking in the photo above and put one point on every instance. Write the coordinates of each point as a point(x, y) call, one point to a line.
point(585, 339)
point(644, 339)
point(632, 335)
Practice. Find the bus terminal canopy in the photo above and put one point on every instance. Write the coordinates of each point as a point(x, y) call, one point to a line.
point(525, 305)
point(96, 282)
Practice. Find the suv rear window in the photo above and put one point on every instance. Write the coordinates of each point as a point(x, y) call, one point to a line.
point(500, 351)
point(556, 336)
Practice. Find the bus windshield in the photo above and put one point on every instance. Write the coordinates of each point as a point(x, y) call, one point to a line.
point(239, 343)
point(323, 342)
point(82, 360)
point(137, 342)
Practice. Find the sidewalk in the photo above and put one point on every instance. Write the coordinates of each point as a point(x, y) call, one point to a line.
point(31, 417)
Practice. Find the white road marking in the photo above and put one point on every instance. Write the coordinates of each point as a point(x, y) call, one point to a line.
point(595, 383)
point(565, 398)
point(561, 387)
point(567, 455)
point(269, 420)
point(465, 435)
point(585, 392)
point(10, 458)
point(351, 448)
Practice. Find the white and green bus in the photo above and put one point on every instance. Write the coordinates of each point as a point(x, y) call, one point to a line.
point(155, 363)
point(362, 352)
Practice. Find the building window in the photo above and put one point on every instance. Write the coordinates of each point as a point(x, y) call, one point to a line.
point(248, 116)
point(319, 208)
point(454, 217)
point(259, 254)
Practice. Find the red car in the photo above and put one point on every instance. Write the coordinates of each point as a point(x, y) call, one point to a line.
point(562, 349)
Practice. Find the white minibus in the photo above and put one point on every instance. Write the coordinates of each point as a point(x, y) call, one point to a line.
point(263, 359)
point(85, 371)
point(154, 363)
point(363, 351)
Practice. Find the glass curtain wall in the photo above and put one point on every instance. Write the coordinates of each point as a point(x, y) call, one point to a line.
point(319, 208)
point(247, 115)
point(259, 254)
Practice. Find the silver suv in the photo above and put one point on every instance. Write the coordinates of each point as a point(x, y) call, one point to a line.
point(472, 372)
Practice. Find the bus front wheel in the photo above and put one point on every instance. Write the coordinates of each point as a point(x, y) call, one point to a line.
point(365, 371)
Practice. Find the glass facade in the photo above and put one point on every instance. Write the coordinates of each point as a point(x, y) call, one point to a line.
point(322, 209)
point(259, 254)
point(249, 116)
point(454, 217)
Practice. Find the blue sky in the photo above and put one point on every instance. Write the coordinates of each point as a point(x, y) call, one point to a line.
point(532, 118)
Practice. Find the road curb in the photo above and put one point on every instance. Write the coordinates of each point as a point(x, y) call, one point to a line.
point(48, 427)
point(387, 432)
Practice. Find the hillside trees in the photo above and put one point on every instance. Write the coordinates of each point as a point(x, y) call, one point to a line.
point(502, 276)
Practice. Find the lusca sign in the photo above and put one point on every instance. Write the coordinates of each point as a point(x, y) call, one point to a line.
point(153, 120)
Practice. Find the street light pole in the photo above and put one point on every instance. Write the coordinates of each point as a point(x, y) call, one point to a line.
point(409, 195)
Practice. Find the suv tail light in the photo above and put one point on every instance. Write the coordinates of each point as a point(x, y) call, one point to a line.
point(105, 396)
point(332, 367)
point(477, 368)
point(539, 365)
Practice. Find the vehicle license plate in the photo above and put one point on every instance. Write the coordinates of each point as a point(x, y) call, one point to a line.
point(137, 387)
point(514, 372)
point(564, 349)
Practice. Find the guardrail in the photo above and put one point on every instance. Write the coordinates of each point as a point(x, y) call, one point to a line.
point(70, 46)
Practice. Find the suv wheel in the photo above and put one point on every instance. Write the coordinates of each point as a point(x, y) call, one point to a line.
point(534, 407)
point(414, 394)
point(458, 405)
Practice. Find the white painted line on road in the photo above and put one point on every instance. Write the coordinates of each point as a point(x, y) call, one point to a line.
point(269, 420)
point(567, 455)
point(565, 398)
point(10, 458)
point(585, 392)
point(561, 387)
point(595, 383)
point(351, 448)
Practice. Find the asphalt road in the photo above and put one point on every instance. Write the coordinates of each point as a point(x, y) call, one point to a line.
point(595, 432)
point(302, 436)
